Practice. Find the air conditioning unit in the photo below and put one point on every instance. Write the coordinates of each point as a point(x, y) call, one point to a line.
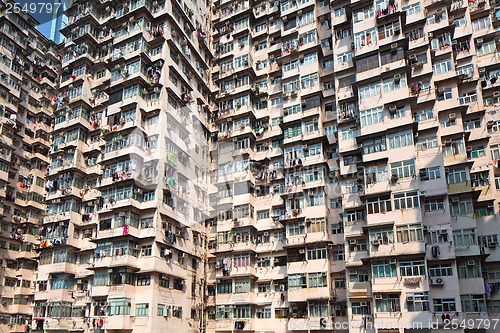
point(492, 244)
point(471, 263)
point(455, 199)
point(443, 232)
point(352, 241)
point(302, 251)
point(479, 41)
point(378, 296)
point(364, 303)
point(452, 116)
point(496, 93)
point(438, 281)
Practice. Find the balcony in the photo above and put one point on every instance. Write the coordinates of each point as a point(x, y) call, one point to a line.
point(354, 259)
point(118, 322)
point(116, 261)
point(235, 325)
point(357, 289)
point(354, 229)
point(301, 295)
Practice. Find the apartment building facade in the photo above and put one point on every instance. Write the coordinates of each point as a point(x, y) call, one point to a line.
point(122, 243)
point(277, 247)
point(28, 64)
point(261, 166)
point(356, 166)
point(418, 154)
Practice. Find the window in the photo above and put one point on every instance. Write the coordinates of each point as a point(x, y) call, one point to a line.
point(424, 115)
point(473, 303)
point(369, 90)
point(144, 280)
point(446, 94)
point(146, 250)
point(476, 152)
point(319, 309)
point(350, 217)
point(469, 269)
point(374, 145)
point(400, 139)
point(427, 143)
point(456, 176)
point(309, 80)
point(384, 268)
point(412, 267)
point(493, 306)
point(437, 236)
point(164, 281)
point(444, 305)
point(142, 309)
point(297, 281)
point(349, 133)
point(447, 122)
point(365, 64)
point(403, 169)
point(371, 116)
point(264, 313)
point(363, 14)
point(482, 23)
point(317, 253)
point(417, 302)
point(440, 270)
point(361, 308)
point(430, 173)
point(464, 238)
point(337, 228)
point(382, 236)
point(398, 81)
point(119, 306)
point(378, 205)
point(488, 240)
point(365, 38)
point(389, 30)
point(443, 66)
point(358, 246)
point(262, 214)
point(433, 205)
point(410, 233)
point(406, 200)
point(296, 229)
point(412, 9)
point(225, 287)
point(387, 303)
point(460, 207)
point(316, 225)
point(340, 283)
point(317, 280)
point(344, 57)
point(486, 48)
point(242, 286)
